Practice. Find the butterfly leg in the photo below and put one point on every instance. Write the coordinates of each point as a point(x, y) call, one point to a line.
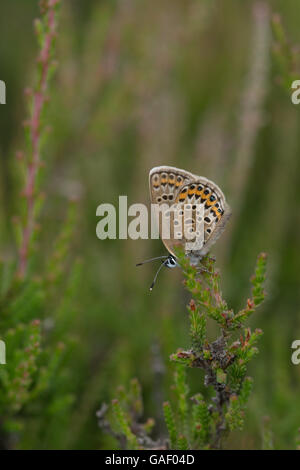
point(202, 269)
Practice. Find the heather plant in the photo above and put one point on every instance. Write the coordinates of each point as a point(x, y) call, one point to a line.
point(35, 300)
point(200, 421)
point(285, 54)
point(139, 84)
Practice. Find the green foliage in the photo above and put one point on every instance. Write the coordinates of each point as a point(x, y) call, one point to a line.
point(201, 419)
point(35, 134)
point(223, 360)
point(197, 422)
point(267, 435)
point(17, 379)
point(37, 299)
point(181, 390)
point(122, 419)
point(139, 84)
point(198, 326)
point(285, 55)
point(298, 440)
point(123, 426)
point(171, 425)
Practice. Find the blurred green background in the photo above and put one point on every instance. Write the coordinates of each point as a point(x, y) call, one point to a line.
point(194, 84)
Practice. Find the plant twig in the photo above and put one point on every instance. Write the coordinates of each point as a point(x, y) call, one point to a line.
point(46, 32)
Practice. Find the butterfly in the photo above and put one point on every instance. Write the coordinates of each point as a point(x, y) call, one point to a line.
point(173, 187)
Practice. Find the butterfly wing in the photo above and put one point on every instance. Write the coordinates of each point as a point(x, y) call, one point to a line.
point(165, 184)
point(170, 185)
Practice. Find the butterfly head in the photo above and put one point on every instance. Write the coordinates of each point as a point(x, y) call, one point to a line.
point(167, 261)
point(171, 262)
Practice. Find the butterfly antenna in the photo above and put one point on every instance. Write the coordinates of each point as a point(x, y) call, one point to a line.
point(155, 277)
point(152, 259)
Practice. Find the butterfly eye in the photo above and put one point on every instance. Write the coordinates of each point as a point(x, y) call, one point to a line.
point(212, 198)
